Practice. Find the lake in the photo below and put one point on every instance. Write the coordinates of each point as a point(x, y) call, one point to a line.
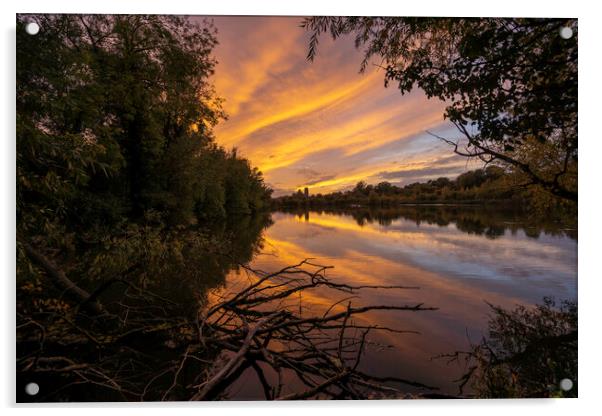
point(461, 258)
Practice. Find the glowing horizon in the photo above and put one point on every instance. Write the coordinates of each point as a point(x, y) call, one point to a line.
point(321, 124)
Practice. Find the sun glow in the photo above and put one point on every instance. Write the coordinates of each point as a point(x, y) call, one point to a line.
point(319, 124)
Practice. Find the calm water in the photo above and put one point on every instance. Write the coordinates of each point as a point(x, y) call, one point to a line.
point(460, 257)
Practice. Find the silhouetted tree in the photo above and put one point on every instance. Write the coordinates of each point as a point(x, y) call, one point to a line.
point(118, 176)
point(510, 84)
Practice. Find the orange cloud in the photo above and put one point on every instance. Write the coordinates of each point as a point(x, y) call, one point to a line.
point(284, 112)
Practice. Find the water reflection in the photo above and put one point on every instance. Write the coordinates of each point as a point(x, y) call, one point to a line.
point(129, 355)
point(479, 220)
point(460, 257)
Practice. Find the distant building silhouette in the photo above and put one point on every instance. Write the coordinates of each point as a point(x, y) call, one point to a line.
point(306, 192)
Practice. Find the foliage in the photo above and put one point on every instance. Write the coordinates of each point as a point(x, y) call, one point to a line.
point(119, 183)
point(506, 81)
point(527, 352)
point(114, 139)
point(489, 185)
point(114, 119)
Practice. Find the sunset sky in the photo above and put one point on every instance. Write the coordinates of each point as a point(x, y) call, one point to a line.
point(322, 124)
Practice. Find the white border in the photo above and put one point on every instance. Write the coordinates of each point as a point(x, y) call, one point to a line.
point(590, 228)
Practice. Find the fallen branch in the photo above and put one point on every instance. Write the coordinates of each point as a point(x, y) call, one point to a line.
point(259, 327)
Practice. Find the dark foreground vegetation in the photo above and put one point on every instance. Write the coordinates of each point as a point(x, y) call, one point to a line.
point(527, 353)
point(114, 122)
point(122, 192)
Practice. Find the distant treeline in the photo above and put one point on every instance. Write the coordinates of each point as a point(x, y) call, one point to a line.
point(492, 184)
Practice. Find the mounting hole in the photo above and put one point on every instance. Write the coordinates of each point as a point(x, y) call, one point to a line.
point(32, 389)
point(566, 33)
point(566, 384)
point(32, 28)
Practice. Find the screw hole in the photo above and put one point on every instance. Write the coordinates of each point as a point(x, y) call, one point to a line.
point(566, 33)
point(32, 389)
point(32, 28)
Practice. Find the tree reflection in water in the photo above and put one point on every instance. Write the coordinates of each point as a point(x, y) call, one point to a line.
point(174, 331)
point(527, 353)
point(487, 221)
point(172, 337)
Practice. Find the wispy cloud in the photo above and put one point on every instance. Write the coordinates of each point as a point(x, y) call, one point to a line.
point(319, 124)
point(442, 166)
